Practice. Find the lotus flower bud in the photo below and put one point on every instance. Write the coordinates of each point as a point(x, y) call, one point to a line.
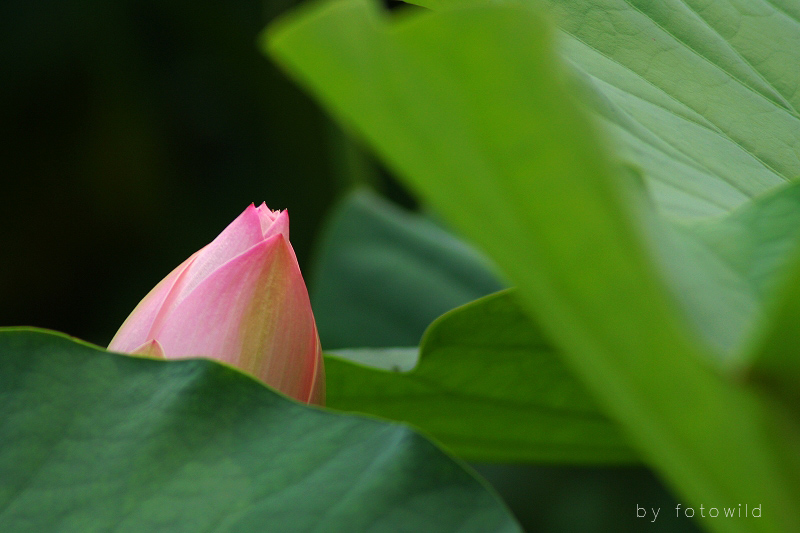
point(242, 300)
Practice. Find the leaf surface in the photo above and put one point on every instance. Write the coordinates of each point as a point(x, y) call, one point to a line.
point(383, 275)
point(95, 441)
point(488, 386)
point(702, 96)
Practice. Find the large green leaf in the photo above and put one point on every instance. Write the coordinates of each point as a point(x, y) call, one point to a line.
point(488, 386)
point(471, 108)
point(712, 81)
point(383, 274)
point(703, 96)
point(94, 441)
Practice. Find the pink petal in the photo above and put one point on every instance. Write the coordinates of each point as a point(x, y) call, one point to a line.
point(240, 235)
point(135, 331)
point(253, 313)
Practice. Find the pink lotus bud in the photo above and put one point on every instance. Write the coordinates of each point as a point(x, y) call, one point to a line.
point(240, 299)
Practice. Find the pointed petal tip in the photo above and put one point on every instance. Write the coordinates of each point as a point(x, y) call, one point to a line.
point(151, 348)
point(268, 216)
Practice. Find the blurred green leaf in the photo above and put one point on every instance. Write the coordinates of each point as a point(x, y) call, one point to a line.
point(725, 269)
point(383, 275)
point(776, 365)
point(757, 240)
point(472, 109)
point(488, 386)
point(775, 352)
point(745, 248)
point(698, 159)
point(94, 441)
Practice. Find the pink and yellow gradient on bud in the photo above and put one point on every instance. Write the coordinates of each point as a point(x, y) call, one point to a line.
point(242, 300)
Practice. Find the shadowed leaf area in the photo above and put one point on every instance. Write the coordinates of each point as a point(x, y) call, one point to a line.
point(488, 385)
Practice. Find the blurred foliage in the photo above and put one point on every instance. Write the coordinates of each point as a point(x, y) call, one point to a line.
point(365, 230)
point(472, 107)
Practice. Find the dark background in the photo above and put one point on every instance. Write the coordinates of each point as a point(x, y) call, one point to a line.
point(132, 132)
